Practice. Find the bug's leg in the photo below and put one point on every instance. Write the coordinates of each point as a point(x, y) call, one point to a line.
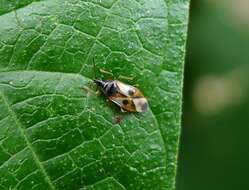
point(122, 110)
point(125, 77)
point(90, 91)
point(130, 78)
point(136, 85)
point(105, 72)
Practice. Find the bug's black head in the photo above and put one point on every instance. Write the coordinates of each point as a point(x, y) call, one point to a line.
point(99, 83)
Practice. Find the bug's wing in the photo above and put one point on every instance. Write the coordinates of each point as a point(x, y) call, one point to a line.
point(141, 104)
point(132, 104)
point(137, 102)
point(128, 90)
point(119, 99)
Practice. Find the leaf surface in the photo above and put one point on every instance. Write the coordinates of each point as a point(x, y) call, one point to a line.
point(55, 132)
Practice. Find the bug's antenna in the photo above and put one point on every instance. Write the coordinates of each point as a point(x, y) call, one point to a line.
point(94, 68)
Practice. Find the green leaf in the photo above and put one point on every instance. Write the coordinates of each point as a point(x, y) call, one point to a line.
point(55, 132)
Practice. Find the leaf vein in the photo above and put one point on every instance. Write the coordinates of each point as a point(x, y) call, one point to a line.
point(22, 130)
point(89, 53)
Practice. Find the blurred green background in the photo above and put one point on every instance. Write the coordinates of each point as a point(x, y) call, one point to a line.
point(214, 147)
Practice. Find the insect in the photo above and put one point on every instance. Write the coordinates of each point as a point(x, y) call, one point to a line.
point(127, 97)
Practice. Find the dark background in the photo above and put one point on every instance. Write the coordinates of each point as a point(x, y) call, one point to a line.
point(214, 145)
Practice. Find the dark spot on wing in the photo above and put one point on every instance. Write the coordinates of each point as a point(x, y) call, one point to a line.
point(125, 102)
point(131, 92)
point(144, 106)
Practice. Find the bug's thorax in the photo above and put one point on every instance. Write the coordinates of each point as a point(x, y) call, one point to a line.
point(109, 87)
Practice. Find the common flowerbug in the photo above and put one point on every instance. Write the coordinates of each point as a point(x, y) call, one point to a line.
point(127, 97)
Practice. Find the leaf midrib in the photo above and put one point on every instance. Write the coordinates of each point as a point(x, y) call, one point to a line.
point(23, 133)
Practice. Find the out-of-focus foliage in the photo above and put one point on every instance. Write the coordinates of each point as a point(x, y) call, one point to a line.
point(214, 151)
